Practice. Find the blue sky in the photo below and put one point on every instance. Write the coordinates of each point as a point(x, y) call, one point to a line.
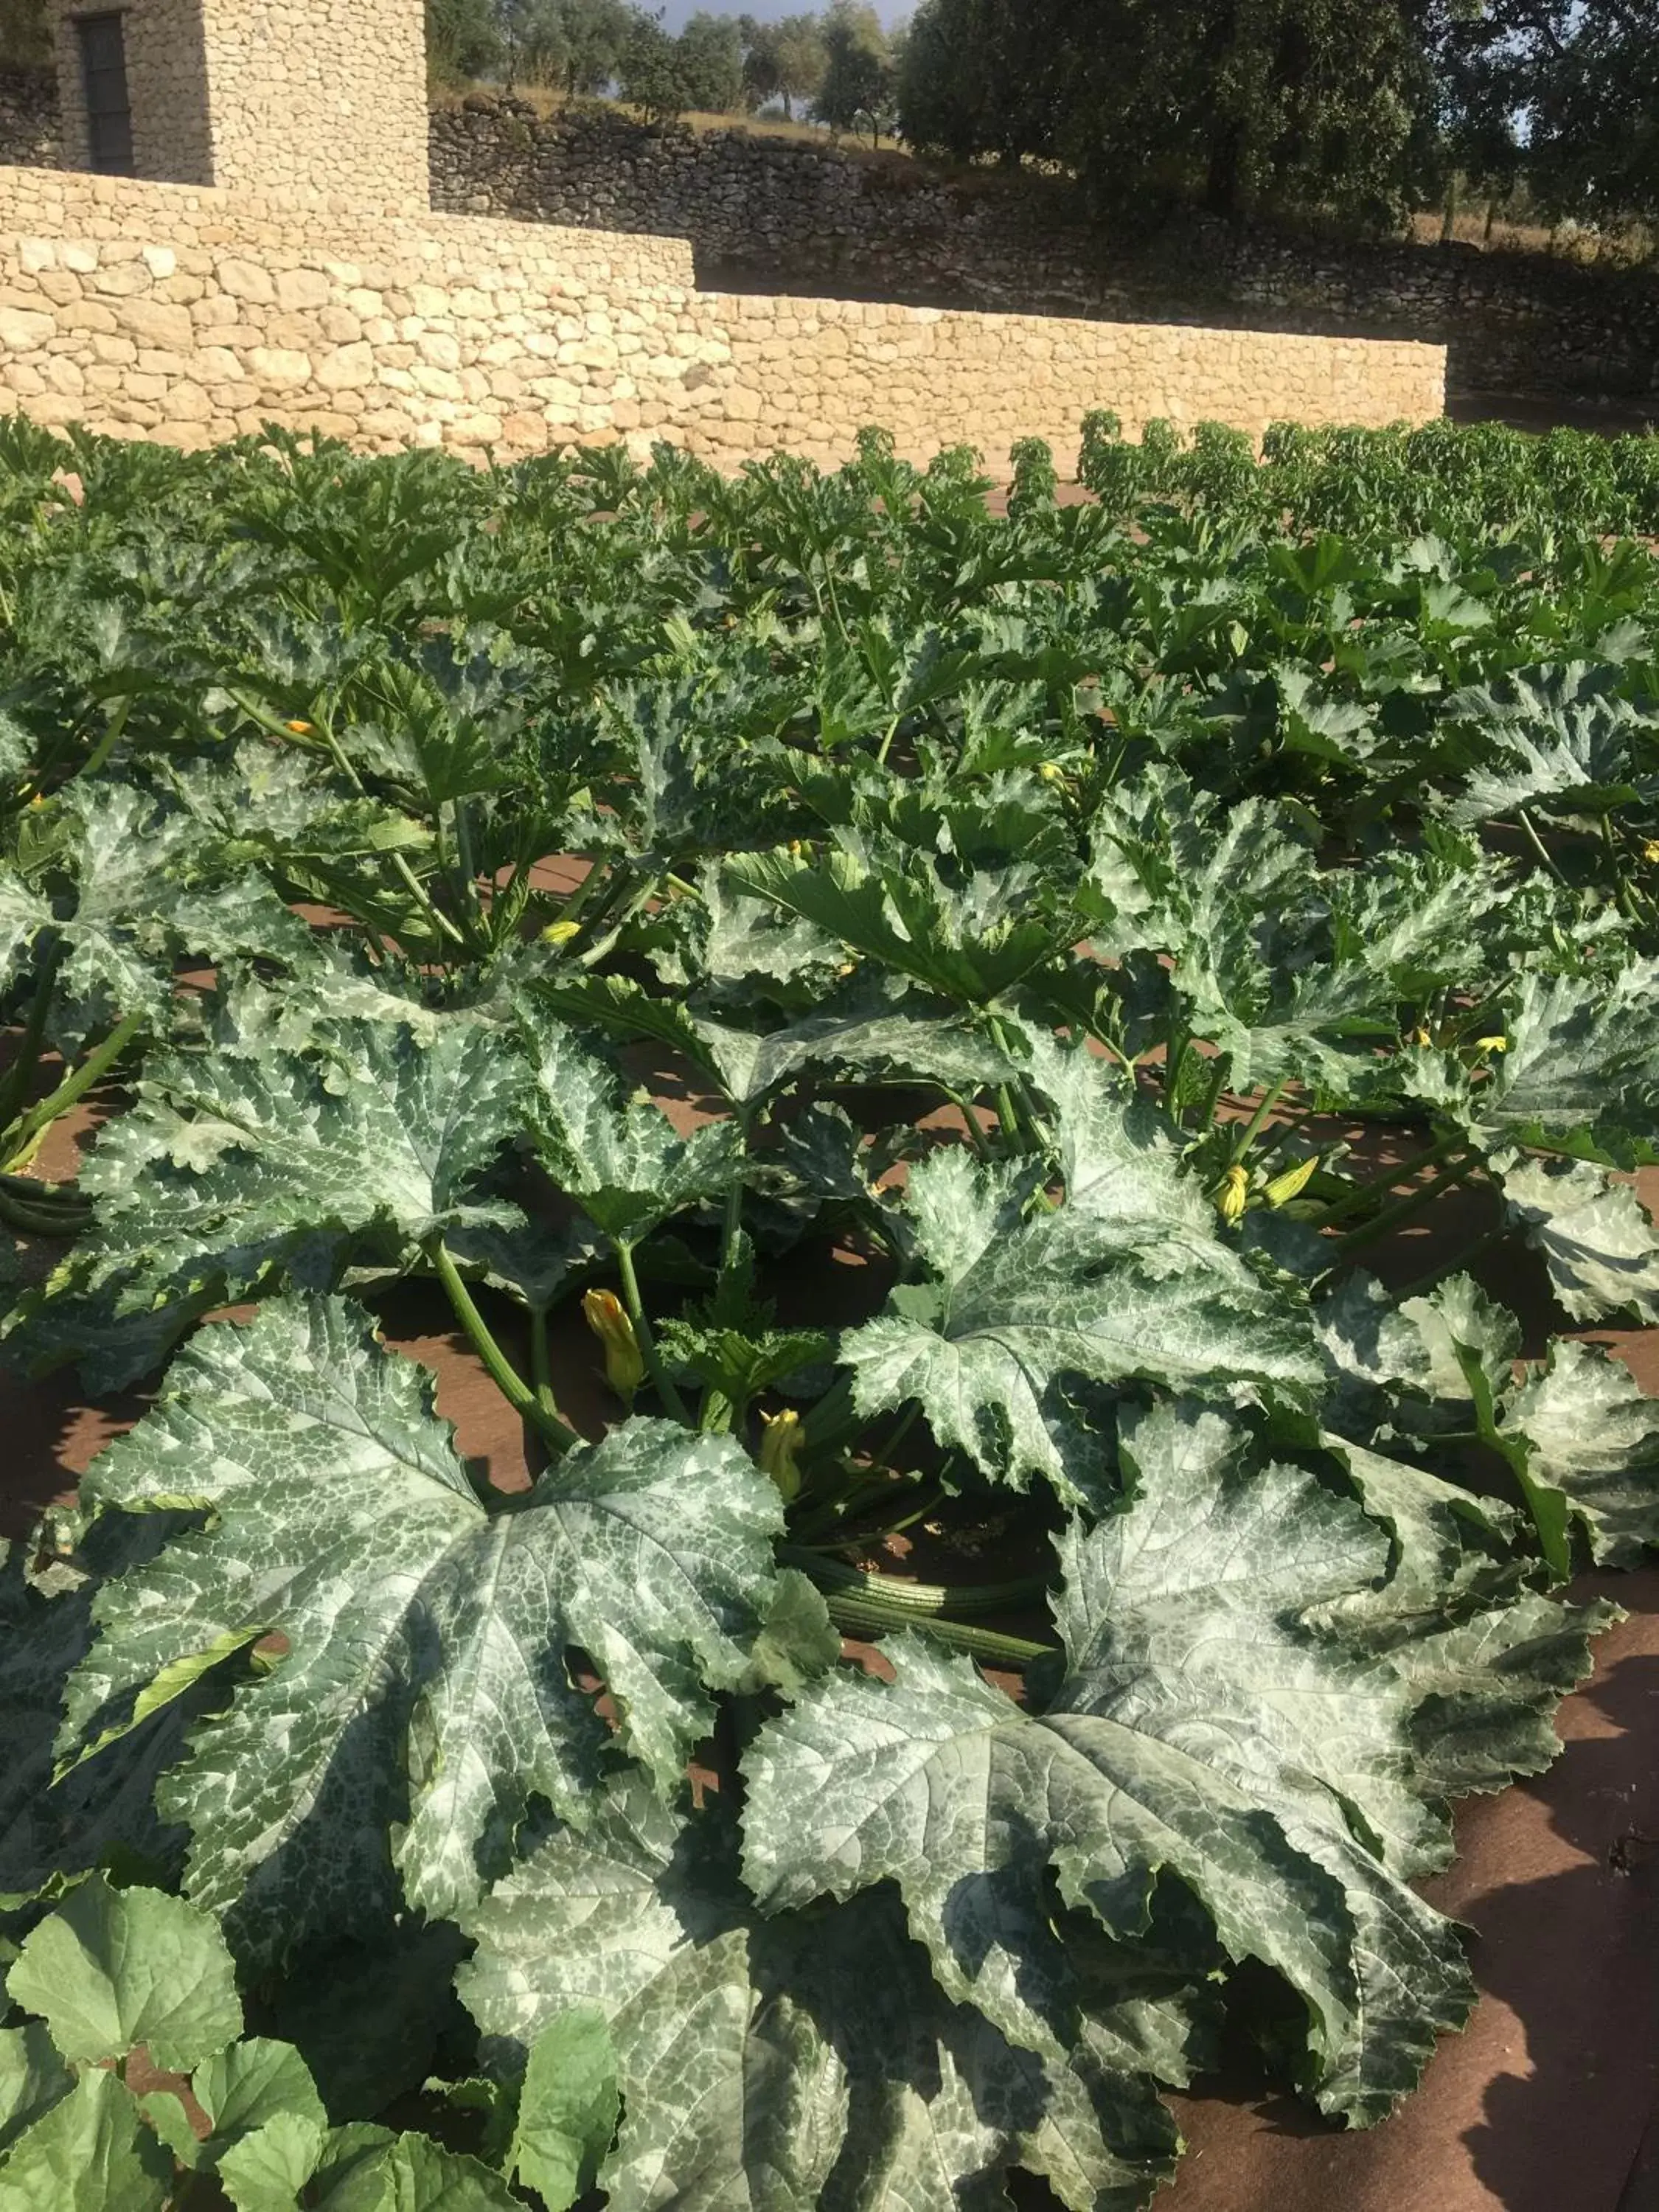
point(767, 10)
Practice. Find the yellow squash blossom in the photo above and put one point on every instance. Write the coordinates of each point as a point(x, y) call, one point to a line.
point(782, 1438)
point(560, 933)
point(1292, 1182)
point(1233, 1194)
point(624, 1362)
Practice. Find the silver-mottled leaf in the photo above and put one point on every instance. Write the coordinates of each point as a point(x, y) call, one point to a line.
point(1207, 1723)
point(1594, 1234)
point(1029, 1321)
point(620, 1158)
point(229, 1162)
point(432, 1697)
point(1595, 1434)
point(804, 2063)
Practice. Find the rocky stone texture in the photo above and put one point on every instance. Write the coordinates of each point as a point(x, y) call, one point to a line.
point(783, 216)
point(773, 215)
point(30, 130)
point(189, 315)
point(167, 87)
point(308, 96)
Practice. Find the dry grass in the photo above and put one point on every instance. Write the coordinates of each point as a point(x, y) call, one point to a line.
point(547, 101)
point(1626, 248)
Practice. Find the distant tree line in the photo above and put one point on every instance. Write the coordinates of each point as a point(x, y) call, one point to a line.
point(1363, 109)
point(1360, 109)
point(840, 66)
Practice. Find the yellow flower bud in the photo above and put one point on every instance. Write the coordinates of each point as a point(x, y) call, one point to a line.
point(624, 1364)
point(1232, 1195)
point(1420, 1036)
point(782, 1438)
point(796, 848)
point(1292, 1182)
point(1491, 1044)
point(1052, 771)
point(300, 729)
point(1651, 850)
point(561, 932)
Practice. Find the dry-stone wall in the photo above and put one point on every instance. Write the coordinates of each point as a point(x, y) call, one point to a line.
point(311, 95)
point(166, 70)
point(773, 214)
point(30, 130)
point(776, 214)
point(186, 314)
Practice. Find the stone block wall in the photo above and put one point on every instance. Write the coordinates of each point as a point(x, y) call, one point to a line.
point(770, 214)
point(166, 80)
point(31, 127)
point(188, 315)
point(780, 214)
point(301, 95)
point(319, 95)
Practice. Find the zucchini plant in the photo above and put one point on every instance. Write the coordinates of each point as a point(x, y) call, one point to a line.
point(911, 1049)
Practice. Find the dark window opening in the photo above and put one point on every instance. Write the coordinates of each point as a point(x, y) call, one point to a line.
point(109, 110)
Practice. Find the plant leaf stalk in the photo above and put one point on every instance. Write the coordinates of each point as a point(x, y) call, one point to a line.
point(555, 1431)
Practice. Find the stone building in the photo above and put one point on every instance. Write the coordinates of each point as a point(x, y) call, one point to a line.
point(263, 95)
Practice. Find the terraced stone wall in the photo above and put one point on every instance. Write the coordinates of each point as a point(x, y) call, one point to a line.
point(188, 315)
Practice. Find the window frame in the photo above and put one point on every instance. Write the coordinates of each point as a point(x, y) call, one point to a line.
point(109, 120)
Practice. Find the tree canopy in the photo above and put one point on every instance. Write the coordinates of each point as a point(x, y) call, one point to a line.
point(784, 61)
point(1268, 106)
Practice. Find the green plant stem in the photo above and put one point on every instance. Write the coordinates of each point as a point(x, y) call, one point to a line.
point(1451, 1266)
point(1253, 1128)
point(1175, 1066)
point(1538, 845)
point(20, 1076)
point(1212, 1097)
point(661, 1381)
point(105, 745)
point(731, 1220)
point(541, 1364)
point(930, 1503)
point(1405, 1209)
point(1009, 1119)
point(598, 950)
point(573, 908)
point(16, 1140)
point(1035, 1129)
point(476, 926)
point(411, 882)
point(555, 1431)
point(970, 1123)
point(861, 1617)
point(834, 1419)
point(1365, 1194)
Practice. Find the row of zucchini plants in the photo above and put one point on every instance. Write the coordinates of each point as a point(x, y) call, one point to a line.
point(972, 1011)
